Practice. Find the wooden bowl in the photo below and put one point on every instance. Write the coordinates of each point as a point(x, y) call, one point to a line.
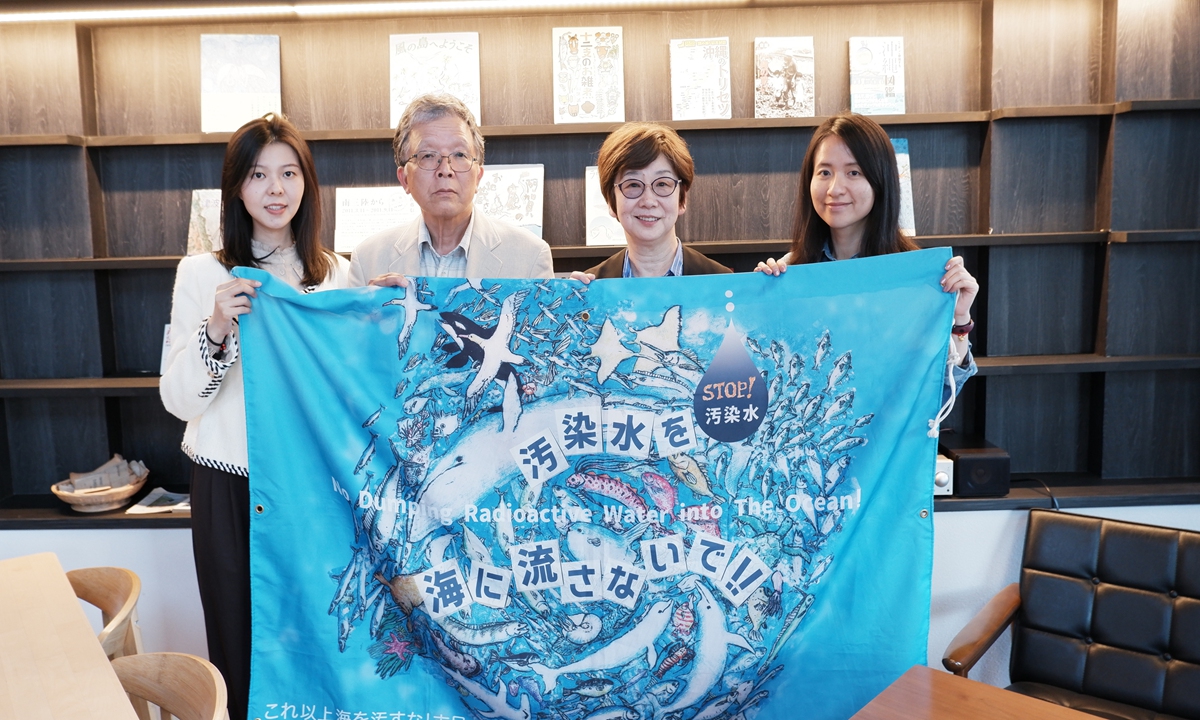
point(100, 501)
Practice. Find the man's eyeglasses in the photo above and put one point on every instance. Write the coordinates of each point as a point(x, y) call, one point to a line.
point(429, 160)
point(662, 187)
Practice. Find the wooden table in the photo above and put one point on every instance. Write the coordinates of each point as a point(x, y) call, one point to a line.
point(923, 693)
point(51, 665)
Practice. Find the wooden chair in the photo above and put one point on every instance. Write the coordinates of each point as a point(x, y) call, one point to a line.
point(115, 591)
point(182, 686)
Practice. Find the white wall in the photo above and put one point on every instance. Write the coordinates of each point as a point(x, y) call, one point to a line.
point(975, 555)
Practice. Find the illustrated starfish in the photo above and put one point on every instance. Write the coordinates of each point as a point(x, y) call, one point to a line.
point(396, 646)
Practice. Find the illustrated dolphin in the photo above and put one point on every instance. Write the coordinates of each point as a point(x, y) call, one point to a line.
point(497, 702)
point(619, 652)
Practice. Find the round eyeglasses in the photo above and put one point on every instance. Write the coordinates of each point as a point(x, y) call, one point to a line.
point(662, 187)
point(429, 160)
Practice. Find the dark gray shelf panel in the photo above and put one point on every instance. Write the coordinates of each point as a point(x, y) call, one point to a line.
point(167, 262)
point(1080, 491)
point(1084, 363)
point(59, 387)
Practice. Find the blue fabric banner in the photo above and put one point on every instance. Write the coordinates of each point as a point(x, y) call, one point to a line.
point(680, 498)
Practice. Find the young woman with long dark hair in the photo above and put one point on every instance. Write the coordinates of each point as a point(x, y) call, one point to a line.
point(848, 206)
point(270, 219)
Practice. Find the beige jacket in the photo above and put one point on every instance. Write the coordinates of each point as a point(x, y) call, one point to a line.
point(497, 250)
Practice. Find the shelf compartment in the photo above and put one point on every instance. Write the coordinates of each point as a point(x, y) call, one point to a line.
point(1082, 363)
point(75, 387)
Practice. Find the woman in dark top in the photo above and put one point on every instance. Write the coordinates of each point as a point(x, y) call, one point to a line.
point(645, 173)
point(848, 206)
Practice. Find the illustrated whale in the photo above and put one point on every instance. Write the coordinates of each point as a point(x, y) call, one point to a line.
point(620, 651)
point(712, 651)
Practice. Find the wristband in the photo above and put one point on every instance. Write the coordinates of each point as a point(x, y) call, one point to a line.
point(963, 330)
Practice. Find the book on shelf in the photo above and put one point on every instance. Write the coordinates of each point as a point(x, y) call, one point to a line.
point(700, 79)
point(784, 77)
point(513, 194)
point(161, 501)
point(509, 193)
point(589, 74)
point(877, 75)
point(434, 63)
point(602, 227)
point(360, 212)
point(908, 222)
point(204, 223)
point(239, 80)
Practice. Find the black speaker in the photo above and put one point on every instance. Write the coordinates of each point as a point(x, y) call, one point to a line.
point(980, 468)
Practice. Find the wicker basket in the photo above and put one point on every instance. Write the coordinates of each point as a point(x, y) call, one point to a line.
point(103, 500)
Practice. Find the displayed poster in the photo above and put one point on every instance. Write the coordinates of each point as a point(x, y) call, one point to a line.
point(784, 77)
point(239, 80)
point(361, 212)
point(700, 79)
point(514, 194)
point(589, 75)
point(204, 221)
point(434, 63)
point(642, 498)
point(877, 75)
point(908, 221)
point(602, 227)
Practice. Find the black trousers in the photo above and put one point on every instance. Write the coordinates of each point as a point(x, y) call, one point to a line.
point(221, 547)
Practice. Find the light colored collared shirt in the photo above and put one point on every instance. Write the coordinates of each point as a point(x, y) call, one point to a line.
point(452, 264)
point(676, 264)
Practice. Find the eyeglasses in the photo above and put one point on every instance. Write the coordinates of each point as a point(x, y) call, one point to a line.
point(429, 160)
point(662, 187)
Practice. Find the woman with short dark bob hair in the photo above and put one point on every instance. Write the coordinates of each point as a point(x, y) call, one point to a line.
point(270, 219)
point(848, 206)
point(645, 173)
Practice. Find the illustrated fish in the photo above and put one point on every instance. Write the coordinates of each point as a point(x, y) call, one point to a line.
point(700, 517)
point(810, 408)
point(848, 444)
point(664, 690)
point(400, 387)
point(683, 621)
point(415, 405)
point(444, 425)
point(689, 473)
point(582, 628)
point(777, 353)
point(716, 708)
point(404, 591)
point(833, 476)
point(413, 362)
point(505, 535)
point(795, 365)
point(517, 660)
point(374, 416)
point(467, 665)
point(379, 520)
point(864, 420)
point(568, 501)
point(838, 406)
point(609, 487)
point(794, 617)
point(831, 434)
point(712, 648)
point(822, 350)
point(677, 655)
point(841, 367)
point(488, 634)
point(589, 540)
point(662, 493)
point(619, 712)
point(475, 549)
point(756, 612)
point(367, 453)
point(496, 702)
point(592, 688)
point(745, 661)
point(621, 651)
point(526, 683)
point(346, 579)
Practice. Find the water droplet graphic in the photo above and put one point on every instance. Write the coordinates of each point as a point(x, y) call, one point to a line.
point(728, 293)
point(731, 398)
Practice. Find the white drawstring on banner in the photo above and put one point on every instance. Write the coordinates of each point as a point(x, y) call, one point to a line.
point(952, 359)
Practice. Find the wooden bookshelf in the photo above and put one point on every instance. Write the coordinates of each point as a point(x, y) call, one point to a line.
point(1053, 145)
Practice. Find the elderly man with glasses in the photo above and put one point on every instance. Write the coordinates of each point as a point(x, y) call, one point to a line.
point(439, 159)
point(645, 173)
